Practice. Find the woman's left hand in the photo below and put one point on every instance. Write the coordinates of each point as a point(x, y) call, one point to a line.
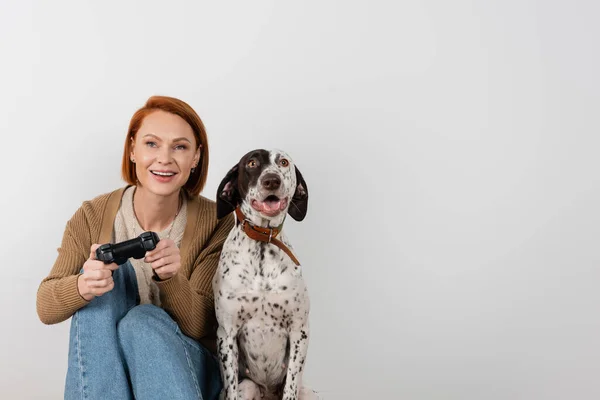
point(165, 259)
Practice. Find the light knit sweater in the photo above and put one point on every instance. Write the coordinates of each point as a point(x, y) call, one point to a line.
point(127, 227)
point(187, 296)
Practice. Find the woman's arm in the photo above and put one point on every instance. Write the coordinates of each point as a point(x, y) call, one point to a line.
point(58, 296)
point(191, 302)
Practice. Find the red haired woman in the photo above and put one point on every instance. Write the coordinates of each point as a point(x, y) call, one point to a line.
point(145, 328)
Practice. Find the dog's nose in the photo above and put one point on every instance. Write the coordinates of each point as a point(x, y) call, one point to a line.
point(271, 182)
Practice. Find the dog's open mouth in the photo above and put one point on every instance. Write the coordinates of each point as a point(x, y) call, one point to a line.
point(270, 206)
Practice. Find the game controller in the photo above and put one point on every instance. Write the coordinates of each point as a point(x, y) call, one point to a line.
point(136, 248)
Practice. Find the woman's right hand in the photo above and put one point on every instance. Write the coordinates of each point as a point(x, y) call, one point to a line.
point(96, 278)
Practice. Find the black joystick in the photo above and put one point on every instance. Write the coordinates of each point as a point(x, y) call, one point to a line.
point(119, 253)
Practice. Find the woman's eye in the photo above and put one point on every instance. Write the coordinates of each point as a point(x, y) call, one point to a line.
point(151, 144)
point(181, 147)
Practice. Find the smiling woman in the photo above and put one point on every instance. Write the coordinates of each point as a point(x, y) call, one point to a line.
point(145, 328)
point(166, 126)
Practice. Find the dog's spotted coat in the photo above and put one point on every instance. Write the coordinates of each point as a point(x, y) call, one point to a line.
point(261, 300)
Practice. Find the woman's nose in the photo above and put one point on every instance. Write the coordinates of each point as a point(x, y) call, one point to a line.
point(165, 155)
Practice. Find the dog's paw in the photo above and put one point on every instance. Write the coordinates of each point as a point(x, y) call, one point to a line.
point(248, 390)
point(308, 394)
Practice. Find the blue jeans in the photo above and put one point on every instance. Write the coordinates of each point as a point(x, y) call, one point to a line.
point(121, 350)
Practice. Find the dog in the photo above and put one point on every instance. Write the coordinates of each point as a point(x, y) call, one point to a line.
point(261, 300)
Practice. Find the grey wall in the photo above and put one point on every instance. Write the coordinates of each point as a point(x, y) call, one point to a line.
point(450, 149)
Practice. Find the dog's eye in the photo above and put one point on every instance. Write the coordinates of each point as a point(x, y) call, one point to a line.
point(251, 164)
point(284, 162)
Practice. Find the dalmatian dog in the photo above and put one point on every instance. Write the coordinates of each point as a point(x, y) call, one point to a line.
point(261, 300)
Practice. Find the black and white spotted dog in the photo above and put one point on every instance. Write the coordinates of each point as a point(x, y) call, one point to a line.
point(261, 300)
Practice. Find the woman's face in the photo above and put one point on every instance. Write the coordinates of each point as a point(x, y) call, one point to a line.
point(164, 151)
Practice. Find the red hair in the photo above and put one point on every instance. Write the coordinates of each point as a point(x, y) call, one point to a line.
point(197, 179)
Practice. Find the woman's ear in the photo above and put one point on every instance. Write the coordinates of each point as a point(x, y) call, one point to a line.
point(197, 156)
point(132, 151)
point(228, 195)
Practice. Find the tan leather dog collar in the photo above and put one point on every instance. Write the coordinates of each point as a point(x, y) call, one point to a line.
point(268, 235)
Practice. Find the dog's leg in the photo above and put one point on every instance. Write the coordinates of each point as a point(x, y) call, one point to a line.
point(228, 360)
point(308, 394)
point(298, 350)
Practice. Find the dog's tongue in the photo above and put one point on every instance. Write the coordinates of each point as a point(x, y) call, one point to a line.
point(271, 205)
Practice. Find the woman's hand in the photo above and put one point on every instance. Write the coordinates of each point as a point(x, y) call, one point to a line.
point(165, 259)
point(96, 278)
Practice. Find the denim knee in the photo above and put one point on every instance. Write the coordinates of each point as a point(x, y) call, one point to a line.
point(145, 318)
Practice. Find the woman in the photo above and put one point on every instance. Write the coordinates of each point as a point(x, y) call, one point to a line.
point(145, 328)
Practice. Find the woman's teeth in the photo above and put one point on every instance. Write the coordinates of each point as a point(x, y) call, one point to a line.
point(163, 173)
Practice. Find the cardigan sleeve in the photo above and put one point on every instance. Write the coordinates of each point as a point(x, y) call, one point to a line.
point(58, 296)
point(190, 301)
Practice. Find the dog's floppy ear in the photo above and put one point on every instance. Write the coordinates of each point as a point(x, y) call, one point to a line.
point(299, 204)
point(228, 194)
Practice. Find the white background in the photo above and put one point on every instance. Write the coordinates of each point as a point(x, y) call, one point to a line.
point(449, 147)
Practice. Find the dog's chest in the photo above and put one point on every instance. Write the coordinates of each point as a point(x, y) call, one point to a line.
point(258, 280)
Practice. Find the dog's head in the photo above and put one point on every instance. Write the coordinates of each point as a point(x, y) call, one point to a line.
point(267, 184)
